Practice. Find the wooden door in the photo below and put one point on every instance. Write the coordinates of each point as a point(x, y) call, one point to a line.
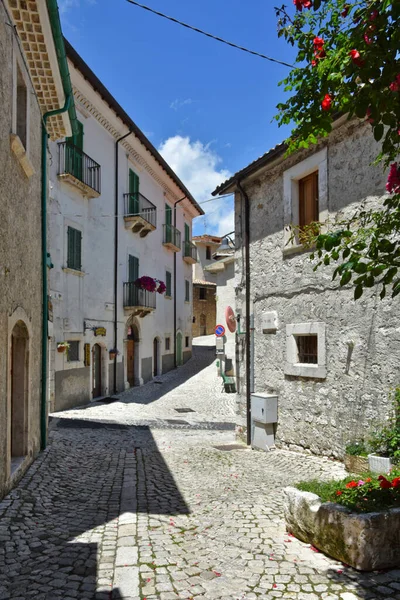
point(131, 362)
point(155, 357)
point(96, 370)
point(203, 324)
point(179, 356)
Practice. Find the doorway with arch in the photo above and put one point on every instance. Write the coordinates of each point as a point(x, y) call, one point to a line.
point(133, 354)
point(19, 376)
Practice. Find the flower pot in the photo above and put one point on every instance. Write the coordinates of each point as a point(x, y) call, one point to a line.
point(61, 349)
point(112, 355)
point(356, 464)
point(379, 464)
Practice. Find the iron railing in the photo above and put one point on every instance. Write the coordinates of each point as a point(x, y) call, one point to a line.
point(189, 250)
point(134, 296)
point(172, 235)
point(138, 205)
point(74, 161)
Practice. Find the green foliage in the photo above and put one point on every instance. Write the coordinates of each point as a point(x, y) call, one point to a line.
point(356, 448)
point(386, 440)
point(366, 247)
point(368, 494)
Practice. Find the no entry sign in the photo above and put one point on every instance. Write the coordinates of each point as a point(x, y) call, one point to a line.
point(219, 330)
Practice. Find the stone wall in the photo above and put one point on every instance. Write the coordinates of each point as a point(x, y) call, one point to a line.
point(20, 257)
point(207, 307)
point(362, 348)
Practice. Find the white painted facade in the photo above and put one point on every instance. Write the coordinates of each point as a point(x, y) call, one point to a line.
point(84, 300)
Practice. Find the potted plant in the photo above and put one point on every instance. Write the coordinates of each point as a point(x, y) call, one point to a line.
point(62, 346)
point(356, 457)
point(113, 353)
point(385, 441)
point(150, 284)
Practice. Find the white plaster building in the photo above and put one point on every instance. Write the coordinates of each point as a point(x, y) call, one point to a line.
point(90, 313)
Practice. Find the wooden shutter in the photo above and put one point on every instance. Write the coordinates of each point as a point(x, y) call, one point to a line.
point(168, 215)
point(308, 199)
point(168, 283)
point(74, 252)
point(133, 267)
point(187, 291)
point(134, 191)
point(187, 233)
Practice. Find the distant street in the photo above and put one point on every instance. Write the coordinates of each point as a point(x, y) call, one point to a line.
point(133, 500)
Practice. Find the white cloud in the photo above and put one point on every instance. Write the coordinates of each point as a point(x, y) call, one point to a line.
point(178, 103)
point(66, 5)
point(199, 168)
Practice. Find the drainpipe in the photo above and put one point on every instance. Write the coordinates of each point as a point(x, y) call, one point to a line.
point(247, 319)
point(116, 256)
point(175, 361)
point(43, 406)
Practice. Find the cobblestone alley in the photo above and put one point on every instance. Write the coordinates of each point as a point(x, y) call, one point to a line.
point(135, 500)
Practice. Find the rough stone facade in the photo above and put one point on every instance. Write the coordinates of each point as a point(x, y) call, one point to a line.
point(204, 311)
point(20, 269)
point(361, 349)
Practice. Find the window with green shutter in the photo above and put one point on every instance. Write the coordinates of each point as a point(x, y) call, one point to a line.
point(187, 233)
point(168, 283)
point(74, 153)
point(74, 254)
point(134, 193)
point(187, 290)
point(133, 268)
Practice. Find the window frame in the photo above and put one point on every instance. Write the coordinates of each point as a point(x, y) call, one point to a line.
point(167, 344)
point(18, 65)
point(168, 292)
point(73, 266)
point(187, 341)
point(203, 289)
point(74, 360)
point(208, 253)
point(292, 365)
point(187, 290)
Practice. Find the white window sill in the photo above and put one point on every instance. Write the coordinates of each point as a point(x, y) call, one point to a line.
point(305, 370)
point(19, 150)
point(289, 250)
point(74, 272)
point(168, 297)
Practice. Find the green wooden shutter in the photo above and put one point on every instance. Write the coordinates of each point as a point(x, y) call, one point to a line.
point(187, 233)
point(134, 192)
point(168, 283)
point(187, 291)
point(74, 251)
point(168, 224)
point(133, 267)
point(74, 154)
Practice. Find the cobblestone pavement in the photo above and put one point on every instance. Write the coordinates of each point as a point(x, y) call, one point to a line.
point(115, 510)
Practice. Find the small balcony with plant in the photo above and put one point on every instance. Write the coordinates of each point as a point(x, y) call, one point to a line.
point(140, 214)
point(78, 169)
point(189, 252)
point(172, 238)
point(140, 295)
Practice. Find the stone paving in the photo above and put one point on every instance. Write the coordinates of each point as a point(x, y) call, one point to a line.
point(128, 511)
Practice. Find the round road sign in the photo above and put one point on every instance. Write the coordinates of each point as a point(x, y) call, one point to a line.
point(219, 330)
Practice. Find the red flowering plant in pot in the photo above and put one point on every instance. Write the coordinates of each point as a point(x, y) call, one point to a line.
point(150, 284)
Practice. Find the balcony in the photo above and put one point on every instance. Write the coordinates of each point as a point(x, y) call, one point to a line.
point(140, 214)
point(78, 169)
point(172, 238)
point(189, 252)
point(138, 302)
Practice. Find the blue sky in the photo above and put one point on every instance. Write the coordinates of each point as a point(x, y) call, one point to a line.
point(207, 107)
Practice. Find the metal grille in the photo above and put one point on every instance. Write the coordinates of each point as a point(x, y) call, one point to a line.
point(172, 235)
point(189, 250)
point(73, 351)
point(133, 296)
point(138, 205)
point(74, 161)
point(307, 348)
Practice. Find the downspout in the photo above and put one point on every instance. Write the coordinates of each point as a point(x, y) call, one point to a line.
point(43, 407)
point(175, 361)
point(247, 303)
point(116, 256)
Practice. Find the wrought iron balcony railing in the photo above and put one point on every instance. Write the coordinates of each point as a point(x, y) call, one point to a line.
point(137, 205)
point(73, 161)
point(172, 237)
point(189, 252)
point(137, 298)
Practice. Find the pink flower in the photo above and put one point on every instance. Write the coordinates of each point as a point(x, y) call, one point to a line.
point(393, 183)
point(300, 4)
point(367, 39)
point(360, 483)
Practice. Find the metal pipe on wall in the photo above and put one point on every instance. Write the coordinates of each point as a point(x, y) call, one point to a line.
point(175, 361)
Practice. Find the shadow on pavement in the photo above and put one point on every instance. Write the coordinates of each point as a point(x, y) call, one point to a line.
point(58, 526)
point(363, 584)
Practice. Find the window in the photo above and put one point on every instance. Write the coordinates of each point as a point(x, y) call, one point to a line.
point(187, 290)
point(305, 350)
point(22, 108)
point(168, 283)
point(187, 341)
point(208, 253)
point(308, 199)
point(73, 351)
point(167, 343)
point(187, 233)
point(202, 293)
point(133, 193)
point(133, 268)
point(74, 253)
point(74, 153)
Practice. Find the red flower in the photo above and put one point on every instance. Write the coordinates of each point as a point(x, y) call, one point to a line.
point(345, 12)
point(339, 493)
point(393, 187)
point(300, 4)
point(314, 63)
point(356, 58)
point(368, 480)
point(374, 15)
point(384, 483)
point(351, 484)
point(394, 86)
point(367, 39)
point(368, 117)
point(396, 482)
point(319, 53)
point(326, 102)
point(318, 42)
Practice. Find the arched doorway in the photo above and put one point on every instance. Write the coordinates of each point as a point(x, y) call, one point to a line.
point(96, 371)
point(179, 354)
point(203, 325)
point(156, 360)
point(132, 355)
point(19, 389)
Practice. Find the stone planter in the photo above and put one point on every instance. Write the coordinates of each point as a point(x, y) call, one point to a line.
point(379, 464)
point(356, 464)
point(367, 541)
